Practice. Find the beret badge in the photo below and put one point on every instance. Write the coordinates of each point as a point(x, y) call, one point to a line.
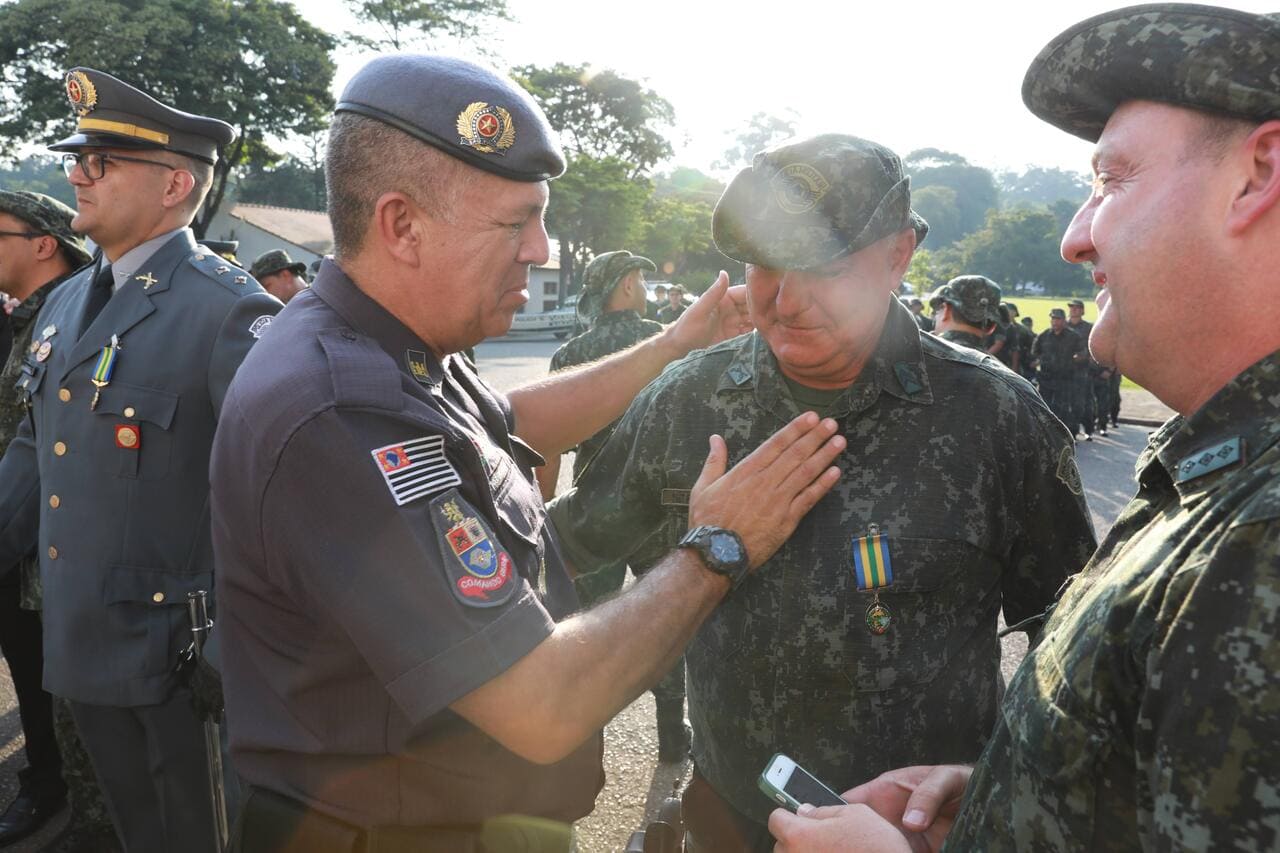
point(486, 129)
point(81, 93)
point(797, 187)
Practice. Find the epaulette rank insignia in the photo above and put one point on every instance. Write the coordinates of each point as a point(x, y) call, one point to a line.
point(1210, 459)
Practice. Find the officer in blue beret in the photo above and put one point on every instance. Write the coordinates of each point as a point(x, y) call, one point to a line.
point(403, 670)
point(108, 475)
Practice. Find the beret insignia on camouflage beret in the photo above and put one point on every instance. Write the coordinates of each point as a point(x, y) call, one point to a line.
point(798, 187)
point(81, 93)
point(485, 128)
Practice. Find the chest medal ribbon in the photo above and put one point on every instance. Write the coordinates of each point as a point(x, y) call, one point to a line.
point(105, 367)
point(873, 570)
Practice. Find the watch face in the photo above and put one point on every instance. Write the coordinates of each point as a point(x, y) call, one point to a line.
point(725, 548)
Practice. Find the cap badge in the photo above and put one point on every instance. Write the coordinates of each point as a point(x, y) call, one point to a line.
point(81, 93)
point(485, 128)
point(798, 187)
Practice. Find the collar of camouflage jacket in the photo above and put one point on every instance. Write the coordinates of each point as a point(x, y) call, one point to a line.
point(896, 367)
point(1238, 424)
point(610, 317)
point(30, 307)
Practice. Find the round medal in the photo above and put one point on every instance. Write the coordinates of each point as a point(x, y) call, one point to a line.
point(43, 352)
point(878, 618)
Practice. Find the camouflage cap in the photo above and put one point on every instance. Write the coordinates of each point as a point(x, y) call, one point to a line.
point(272, 262)
point(1075, 303)
point(467, 111)
point(1205, 57)
point(1057, 314)
point(976, 299)
point(603, 274)
point(48, 216)
point(801, 205)
point(113, 114)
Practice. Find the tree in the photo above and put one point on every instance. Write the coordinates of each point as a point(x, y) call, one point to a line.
point(940, 209)
point(40, 174)
point(401, 24)
point(974, 187)
point(1020, 246)
point(762, 131)
point(256, 64)
point(932, 269)
point(1038, 185)
point(602, 114)
point(595, 207)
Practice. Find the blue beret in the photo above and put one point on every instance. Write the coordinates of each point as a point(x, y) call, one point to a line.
point(465, 110)
point(113, 114)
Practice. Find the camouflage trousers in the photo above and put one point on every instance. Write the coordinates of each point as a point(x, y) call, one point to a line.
point(88, 811)
point(1057, 394)
point(1083, 405)
point(594, 587)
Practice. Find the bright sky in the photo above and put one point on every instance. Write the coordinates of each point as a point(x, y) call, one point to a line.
point(906, 74)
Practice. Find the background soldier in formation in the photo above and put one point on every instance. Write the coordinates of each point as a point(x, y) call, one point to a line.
point(109, 474)
point(967, 310)
point(1148, 715)
point(1083, 402)
point(675, 306)
point(1023, 339)
point(1056, 353)
point(821, 638)
point(279, 274)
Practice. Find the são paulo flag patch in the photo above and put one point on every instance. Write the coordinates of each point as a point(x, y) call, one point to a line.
point(415, 468)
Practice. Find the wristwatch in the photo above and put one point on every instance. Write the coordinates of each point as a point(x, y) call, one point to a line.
point(722, 550)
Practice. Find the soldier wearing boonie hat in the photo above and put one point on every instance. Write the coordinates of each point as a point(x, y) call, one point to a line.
point(970, 308)
point(1145, 718)
point(279, 274)
point(123, 385)
point(437, 703)
point(826, 230)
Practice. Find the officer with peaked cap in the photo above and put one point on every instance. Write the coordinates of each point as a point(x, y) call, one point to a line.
point(395, 673)
point(109, 474)
point(963, 487)
point(1146, 718)
point(969, 309)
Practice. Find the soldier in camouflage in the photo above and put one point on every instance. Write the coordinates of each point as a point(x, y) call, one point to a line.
point(1056, 352)
point(1148, 717)
point(968, 309)
point(1083, 403)
point(38, 251)
point(956, 474)
point(612, 301)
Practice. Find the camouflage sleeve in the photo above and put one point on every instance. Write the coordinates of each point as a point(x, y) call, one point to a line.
point(1208, 733)
point(615, 504)
point(1054, 537)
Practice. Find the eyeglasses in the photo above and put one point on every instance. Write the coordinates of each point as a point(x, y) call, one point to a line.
point(93, 164)
point(26, 235)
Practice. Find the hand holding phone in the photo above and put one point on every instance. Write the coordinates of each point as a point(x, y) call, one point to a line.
point(788, 784)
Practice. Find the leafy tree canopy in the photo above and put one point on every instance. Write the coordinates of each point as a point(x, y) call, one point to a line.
point(256, 64)
point(401, 24)
point(762, 131)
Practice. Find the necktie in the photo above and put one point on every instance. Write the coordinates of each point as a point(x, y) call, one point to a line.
point(99, 294)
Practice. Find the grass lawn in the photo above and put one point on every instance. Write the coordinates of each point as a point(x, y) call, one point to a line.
point(1037, 308)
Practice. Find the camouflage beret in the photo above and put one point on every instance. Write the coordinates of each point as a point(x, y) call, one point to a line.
point(804, 204)
point(1057, 314)
point(603, 274)
point(1204, 57)
point(975, 298)
point(113, 114)
point(272, 262)
point(48, 216)
point(465, 110)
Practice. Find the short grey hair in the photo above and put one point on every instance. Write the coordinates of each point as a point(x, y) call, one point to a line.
point(367, 159)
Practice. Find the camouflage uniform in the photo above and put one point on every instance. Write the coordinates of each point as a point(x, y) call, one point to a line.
point(974, 301)
point(1149, 715)
point(964, 339)
point(1083, 405)
point(977, 510)
point(669, 313)
point(1055, 352)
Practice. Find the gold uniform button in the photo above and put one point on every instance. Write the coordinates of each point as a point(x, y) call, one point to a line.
point(158, 597)
point(65, 395)
point(55, 501)
point(128, 411)
point(59, 448)
point(53, 553)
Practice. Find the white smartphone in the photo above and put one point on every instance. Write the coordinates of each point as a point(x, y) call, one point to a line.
point(788, 784)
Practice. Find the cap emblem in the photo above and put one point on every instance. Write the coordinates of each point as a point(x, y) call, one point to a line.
point(81, 93)
point(798, 187)
point(486, 129)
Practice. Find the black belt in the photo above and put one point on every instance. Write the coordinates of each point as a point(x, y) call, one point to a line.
point(273, 823)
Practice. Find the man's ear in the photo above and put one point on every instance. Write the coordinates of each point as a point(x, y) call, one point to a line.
point(1261, 193)
point(181, 185)
point(900, 252)
point(46, 248)
point(397, 227)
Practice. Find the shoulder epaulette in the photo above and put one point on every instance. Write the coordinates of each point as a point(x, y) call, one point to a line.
point(362, 372)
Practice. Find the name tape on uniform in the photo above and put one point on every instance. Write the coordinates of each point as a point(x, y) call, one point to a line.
point(415, 468)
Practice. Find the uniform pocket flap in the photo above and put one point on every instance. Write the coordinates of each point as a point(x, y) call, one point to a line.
point(129, 584)
point(138, 403)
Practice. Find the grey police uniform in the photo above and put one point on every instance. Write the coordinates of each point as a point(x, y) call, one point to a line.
point(398, 542)
point(119, 494)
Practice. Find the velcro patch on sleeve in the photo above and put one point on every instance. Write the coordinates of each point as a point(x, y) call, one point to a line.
point(480, 572)
point(415, 468)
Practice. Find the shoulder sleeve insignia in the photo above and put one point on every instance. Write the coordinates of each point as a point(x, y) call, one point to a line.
point(258, 326)
point(415, 468)
point(480, 572)
point(1069, 472)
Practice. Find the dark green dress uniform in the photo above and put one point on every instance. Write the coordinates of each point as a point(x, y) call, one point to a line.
point(125, 383)
point(413, 584)
point(981, 508)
